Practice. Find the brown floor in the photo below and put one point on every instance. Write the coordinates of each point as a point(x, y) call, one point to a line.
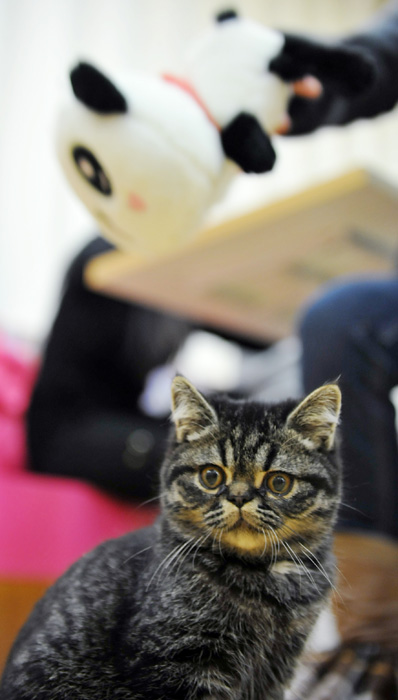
point(17, 599)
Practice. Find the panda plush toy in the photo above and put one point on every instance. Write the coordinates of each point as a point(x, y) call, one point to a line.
point(148, 156)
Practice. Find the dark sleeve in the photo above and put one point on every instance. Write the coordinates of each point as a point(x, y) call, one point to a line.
point(380, 42)
point(84, 419)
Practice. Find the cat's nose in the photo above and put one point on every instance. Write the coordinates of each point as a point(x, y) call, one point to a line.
point(239, 499)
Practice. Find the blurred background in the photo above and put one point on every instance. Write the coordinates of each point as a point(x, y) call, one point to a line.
point(43, 226)
point(41, 222)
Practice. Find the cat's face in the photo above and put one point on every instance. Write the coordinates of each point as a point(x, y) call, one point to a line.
point(250, 479)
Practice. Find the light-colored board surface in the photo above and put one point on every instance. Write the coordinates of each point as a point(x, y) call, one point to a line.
point(252, 274)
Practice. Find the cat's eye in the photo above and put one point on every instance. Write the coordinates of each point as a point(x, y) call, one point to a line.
point(212, 477)
point(279, 483)
point(92, 171)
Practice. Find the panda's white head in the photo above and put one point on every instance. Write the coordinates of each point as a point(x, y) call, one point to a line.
point(229, 67)
point(148, 158)
point(144, 159)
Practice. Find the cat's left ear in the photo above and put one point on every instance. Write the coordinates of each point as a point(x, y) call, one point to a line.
point(317, 416)
point(191, 413)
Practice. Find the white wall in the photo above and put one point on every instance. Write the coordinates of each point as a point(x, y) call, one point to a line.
point(41, 222)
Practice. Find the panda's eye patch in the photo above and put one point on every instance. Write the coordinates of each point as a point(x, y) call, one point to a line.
point(91, 170)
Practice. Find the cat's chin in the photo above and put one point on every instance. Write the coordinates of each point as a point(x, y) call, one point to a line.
point(244, 539)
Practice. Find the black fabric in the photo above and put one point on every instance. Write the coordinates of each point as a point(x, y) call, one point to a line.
point(84, 405)
point(247, 144)
point(380, 43)
point(345, 69)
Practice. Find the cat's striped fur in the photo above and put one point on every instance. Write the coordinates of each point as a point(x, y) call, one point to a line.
point(216, 600)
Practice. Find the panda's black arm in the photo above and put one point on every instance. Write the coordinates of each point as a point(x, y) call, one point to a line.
point(245, 142)
point(358, 74)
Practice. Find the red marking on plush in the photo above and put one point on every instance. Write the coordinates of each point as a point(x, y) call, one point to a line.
point(187, 87)
point(136, 202)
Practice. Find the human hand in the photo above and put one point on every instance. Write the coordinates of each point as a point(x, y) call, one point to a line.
point(319, 74)
point(308, 88)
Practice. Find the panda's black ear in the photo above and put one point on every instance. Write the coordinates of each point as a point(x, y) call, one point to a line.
point(245, 142)
point(96, 91)
point(225, 15)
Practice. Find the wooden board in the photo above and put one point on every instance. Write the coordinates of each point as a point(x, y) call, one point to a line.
point(252, 274)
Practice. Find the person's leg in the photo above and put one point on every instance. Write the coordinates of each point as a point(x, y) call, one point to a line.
point(351, 334)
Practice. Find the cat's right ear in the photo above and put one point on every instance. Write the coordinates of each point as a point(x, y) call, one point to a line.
point(96, 91)
point(192, 414)
point(316, 418)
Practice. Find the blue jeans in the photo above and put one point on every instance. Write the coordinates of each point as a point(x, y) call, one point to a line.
point(351, 334)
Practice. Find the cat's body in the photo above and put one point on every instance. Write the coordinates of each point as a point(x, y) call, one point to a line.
point(212, 601)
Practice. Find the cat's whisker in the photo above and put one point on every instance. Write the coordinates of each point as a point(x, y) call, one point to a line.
point(298, 535)
point(276, 548)
point(197, 542)
point(179, 555)
point(273, 547)
point(182, 556)
point(272, 550)
point(285, 526)
point(294, 532)
point(136, 554)
point(265, 543)
point(308, 572)
point(150, 500)
point(295, 562)
point(320, 568)
point(219, 543)
point(215, 542)
point(200, 543)
point(357, 510)
point(291, 554)
point(277, 544)
point(167, 559)
point(299, 562)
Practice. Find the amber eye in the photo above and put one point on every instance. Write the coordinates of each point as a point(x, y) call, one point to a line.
point(212, 477)
point(279, 483)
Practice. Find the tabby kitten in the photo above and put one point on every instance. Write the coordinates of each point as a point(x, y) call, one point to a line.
point(216, 599)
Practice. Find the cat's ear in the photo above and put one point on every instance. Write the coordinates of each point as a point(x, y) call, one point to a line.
point(191, 413)
point(317, 416)
point(96, 91)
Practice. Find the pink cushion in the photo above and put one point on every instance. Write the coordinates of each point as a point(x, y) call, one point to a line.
point(46, 522)
point(18, 371)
